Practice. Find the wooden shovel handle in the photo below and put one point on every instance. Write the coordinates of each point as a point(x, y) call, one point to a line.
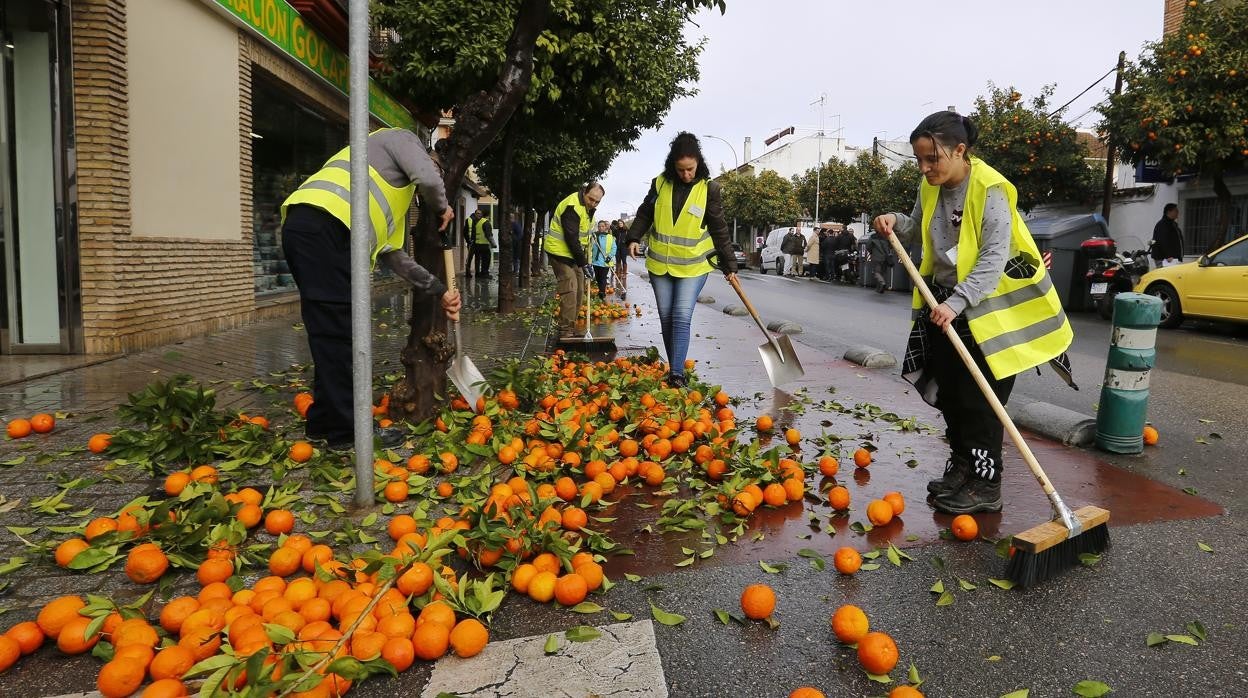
point(448, 264)
point(736, 286)
point(978, 375)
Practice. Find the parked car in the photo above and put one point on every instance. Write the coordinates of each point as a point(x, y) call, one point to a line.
point(1214, 287)
point(740, 256)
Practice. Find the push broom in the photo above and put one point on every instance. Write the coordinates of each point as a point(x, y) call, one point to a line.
point(1046, 550)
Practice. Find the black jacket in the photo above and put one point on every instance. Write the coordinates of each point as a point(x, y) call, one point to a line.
point(1167, 240)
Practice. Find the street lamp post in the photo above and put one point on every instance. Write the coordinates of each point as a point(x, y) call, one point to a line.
point(736, 165)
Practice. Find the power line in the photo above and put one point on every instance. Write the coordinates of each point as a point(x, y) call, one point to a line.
point(1085, 91)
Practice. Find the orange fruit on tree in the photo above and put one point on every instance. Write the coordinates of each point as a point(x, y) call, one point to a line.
point(10, 652)
point(57, 612)
point(176, 482)
point(430, 641)
point(862, 458)
point(905, 692)
point(42, 423)
point(829, 466)
point(758, 601)
point(765, 422)
point(792, 436)
point(964, 527)
point(146, 565)
point(806, 692)
point(165, 688)
point(896, 501)
point(279, 521)
point(19, 428)
point(120, 678)
point(68, 550)
point(72, 638)
point(214, 570)
point(846, 560)
point(469, 637)
point(301, 451)
point(838, 498)
point(27, 635)
point(542, 587)
point(98, 443)
point(1151, 435)
point(571, 589)
point(877, 653)
point(879, 512)
point(171, 662)
point(849, 623)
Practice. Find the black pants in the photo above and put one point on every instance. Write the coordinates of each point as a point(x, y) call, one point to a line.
point(600, 277)
point(318, 249)
point(972, 428)
point(482, 253)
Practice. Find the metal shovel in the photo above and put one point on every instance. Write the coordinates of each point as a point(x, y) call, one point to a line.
point(779, 358)
point(462, 372)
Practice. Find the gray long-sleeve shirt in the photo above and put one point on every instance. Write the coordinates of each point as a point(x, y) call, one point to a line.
point(400, 158)
point(945, 231)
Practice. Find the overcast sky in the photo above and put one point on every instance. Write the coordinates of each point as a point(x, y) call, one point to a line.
point(883, 64)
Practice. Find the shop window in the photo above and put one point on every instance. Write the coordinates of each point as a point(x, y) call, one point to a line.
point(291, 139)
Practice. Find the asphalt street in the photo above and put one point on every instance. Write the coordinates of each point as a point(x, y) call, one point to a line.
point(1197, 393)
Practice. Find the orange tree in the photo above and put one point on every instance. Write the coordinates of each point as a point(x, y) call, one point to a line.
point(1183, 105)
point(1032, 147)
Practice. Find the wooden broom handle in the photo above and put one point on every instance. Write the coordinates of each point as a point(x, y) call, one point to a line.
point(971, 366)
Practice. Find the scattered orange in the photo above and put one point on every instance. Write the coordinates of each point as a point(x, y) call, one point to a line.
point(68, 550)
point(592, 572)
point(862, 458)
point(792, 436)
point(1151, 435)
point(850, 624)
point(19, 428)
point(176, 482)
point(10, 652)
point(431, 640)
point(42, 423)
point(774, 495)
point(765, 423)
point(469, 637)
point(847, 560)
point(758, 601)
point(120, 678)
point(905, 692)
point(521, 576)
point(401, 525)
point(400, 652)
point(571, 589)
point(205, 473)
point(164, 688)
point(542, 587)
point(838, 498)
point(896, 501)
point(301, 451)
point(285, 561)
point(72, 638)
point(879, 512)
point(27, 635)
point(416, 580)
point(214, 570)
point(56, 613)
point(964, 527)
point(146, 565)
point(806, 692)
point(574, 518)
point(98, 443)
point(176, 611)
point(828, 466)
point(171, 662)
point(396, 491)
point(279, 521)
point(877, 653)
point(249, 515)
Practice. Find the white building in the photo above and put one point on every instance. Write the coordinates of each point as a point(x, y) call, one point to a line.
point(801, 154)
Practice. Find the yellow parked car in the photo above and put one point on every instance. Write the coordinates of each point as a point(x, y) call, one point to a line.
point(1214, 287)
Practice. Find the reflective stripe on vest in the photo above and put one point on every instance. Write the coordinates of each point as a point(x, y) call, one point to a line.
point(479, 228)
point(1021, 324)
point(679, 247)
point(330, 190)
point(555, 244)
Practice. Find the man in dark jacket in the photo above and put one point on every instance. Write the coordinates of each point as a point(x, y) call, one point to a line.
point(881, 261)
point(841, 246)
point(1167, 245)
point(827, 253)
point(794, 245)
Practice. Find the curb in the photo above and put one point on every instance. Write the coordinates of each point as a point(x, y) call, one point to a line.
point(870, 357)
point(784, 327)
point(1057, 423)
point(706, 299)
point(735, 310)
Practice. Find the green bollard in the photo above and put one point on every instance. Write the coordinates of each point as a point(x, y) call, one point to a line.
point(1121, 416)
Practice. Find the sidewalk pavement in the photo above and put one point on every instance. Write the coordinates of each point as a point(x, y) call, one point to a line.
point(1091, 623)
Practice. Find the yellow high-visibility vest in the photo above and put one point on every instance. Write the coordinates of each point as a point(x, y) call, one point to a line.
point(1021, 324)
point(330, 190)
point(554, 243)
point(679, 247)
point(479, 229)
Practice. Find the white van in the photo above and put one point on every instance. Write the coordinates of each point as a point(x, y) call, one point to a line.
point(773, 258)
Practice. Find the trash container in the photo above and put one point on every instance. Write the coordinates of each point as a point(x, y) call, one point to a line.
point(1060, 236)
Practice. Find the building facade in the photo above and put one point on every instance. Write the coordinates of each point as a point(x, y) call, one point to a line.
point(146, 148)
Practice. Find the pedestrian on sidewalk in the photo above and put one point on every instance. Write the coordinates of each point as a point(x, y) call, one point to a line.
point(683, 215)
point(620, 231)
point(565, 247)
point(810, 262)
point(794, 245)
point(603, 256)
point(470, 247)
point(1004, 308)
point(882, 260)
point(316, 240)
point(482, 241)
point(1166, 247)
point(827, 253)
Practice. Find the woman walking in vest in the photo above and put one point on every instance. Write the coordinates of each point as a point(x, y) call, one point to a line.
point(983, 266)
point(603, 256)
point(566, 247)
point(684, 216)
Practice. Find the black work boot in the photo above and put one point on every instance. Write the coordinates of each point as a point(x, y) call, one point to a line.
point(957, 469)
point(975, 496)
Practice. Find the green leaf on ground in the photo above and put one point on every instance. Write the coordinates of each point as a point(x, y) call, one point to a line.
point(1200, 545)
point(552, 644)
point(1089, 559)
point(621, 615)
point(938, 587)
point(772, 569)
point(869, 567)
point(581, 633)
point(946, 599)
point(1020, 693)
point(665, 617)
point(1091, 689)
point(913, 675)
point(1155, 639)
point(879, 678)
point(1183, 639)
point(587, 607)
point(965, 585)
point(1003, 583)
point(1195, 627)
point(1190, 490)
point(722, 615)
point(632, 577)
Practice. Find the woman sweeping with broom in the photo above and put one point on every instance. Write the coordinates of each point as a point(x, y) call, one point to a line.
point(984, 270)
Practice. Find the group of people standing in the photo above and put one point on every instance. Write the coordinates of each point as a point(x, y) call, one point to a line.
point(833, 249)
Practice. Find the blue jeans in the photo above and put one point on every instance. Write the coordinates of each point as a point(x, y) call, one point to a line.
point(676, 298)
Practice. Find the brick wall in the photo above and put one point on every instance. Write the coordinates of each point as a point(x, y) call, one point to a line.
point(1173, 16)
point(137, 292)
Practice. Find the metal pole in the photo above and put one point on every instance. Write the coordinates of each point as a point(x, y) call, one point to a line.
point(819, 165)
point(1108, 195)
point(361, 244)
point(735, 160)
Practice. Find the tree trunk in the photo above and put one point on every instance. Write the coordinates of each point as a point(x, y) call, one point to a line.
point(506, 280)
point(526, 244)
point(478, 121)
point(1224, 211)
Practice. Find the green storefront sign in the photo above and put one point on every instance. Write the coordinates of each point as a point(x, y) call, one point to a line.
point(285, 28)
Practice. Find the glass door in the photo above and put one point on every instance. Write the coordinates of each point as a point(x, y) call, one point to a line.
point(34, 218)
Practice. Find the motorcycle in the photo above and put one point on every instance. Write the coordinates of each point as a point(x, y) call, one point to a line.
point(1111, 272)
point(846, 262)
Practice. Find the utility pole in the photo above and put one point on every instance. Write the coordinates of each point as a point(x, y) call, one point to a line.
point(361, 306)
point(819, 165)
point(736, 166)
point(1110, 165)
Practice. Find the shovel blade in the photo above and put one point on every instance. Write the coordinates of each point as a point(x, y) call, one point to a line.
point(782, 365)
point(467, 379)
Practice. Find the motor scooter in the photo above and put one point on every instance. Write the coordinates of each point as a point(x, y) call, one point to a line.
point(1111, 272)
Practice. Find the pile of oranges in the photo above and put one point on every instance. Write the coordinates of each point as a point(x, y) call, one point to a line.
point(611, 311)
point(21, 427)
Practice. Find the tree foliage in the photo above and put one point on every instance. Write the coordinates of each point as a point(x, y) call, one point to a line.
point(759, 200)
point(1038, 152)
point(865, 186)
point(1184, 105)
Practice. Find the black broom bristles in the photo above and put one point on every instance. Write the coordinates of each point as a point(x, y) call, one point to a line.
point(1028, 569)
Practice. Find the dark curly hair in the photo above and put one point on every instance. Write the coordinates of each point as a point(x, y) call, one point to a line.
point(685, 145)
